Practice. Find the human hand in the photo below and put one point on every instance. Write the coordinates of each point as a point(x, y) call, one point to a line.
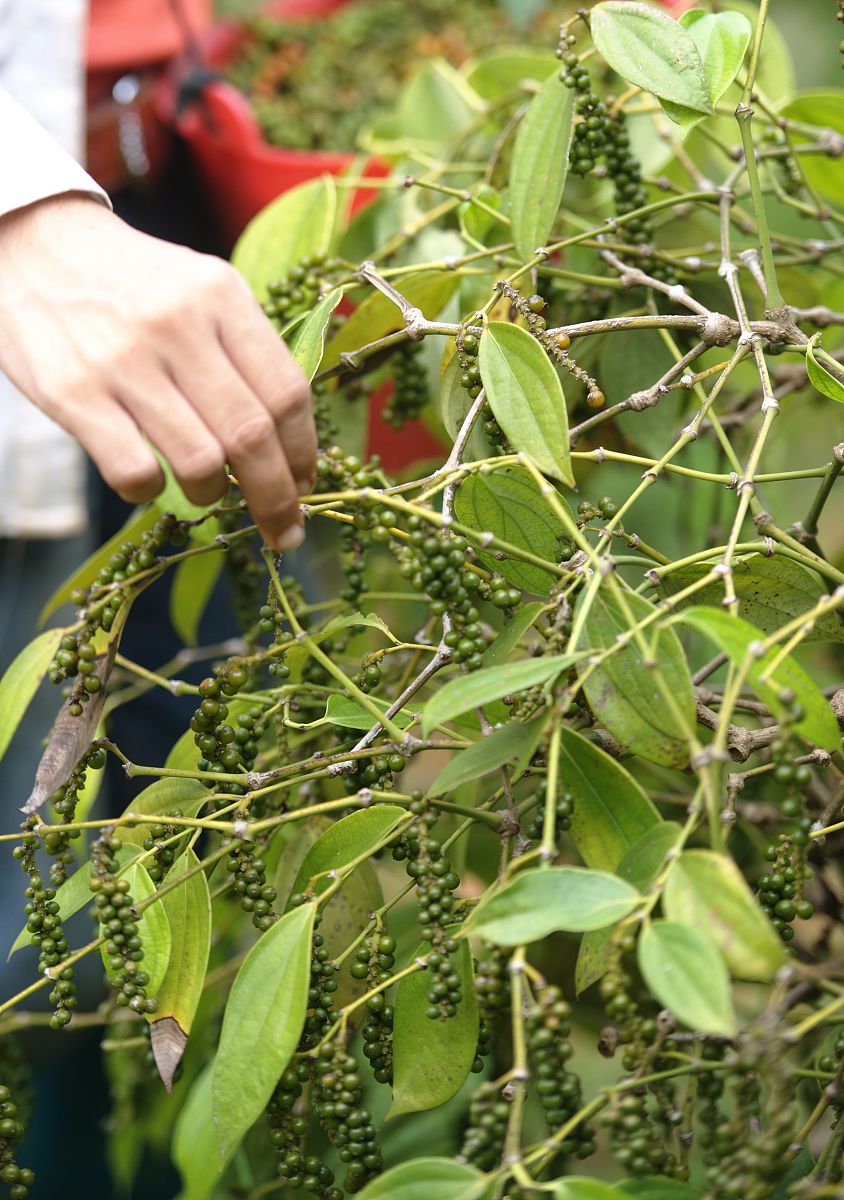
point(120, 337)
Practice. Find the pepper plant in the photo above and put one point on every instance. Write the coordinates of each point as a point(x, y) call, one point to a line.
point(506, 865)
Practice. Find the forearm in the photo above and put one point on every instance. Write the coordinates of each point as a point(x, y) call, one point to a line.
point(32, 165)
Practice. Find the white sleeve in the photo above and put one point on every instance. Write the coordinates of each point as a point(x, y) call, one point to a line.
point(32, 165)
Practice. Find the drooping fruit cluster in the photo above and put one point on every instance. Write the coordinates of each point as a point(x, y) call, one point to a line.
point(19, 1179)
point(435, 563)
point(115, 911)
point(337, 1102)
point(287, 1136)
point(435, 881)
point(634, 1138)
point(44, 926)
point(590, 133)
point(99, 605)
point(225, 748)
point(323, 984)
point(249, 882)
point(558, 1088)
point(562, 813)
point(374, 962)
point(483, 1140)
point(296, 291)
point(64, 800)
point(410, 394)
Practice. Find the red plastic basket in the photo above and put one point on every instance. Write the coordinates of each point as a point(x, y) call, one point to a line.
point(240, 171)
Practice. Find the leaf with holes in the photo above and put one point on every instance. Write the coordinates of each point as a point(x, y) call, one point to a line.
point(525, 394)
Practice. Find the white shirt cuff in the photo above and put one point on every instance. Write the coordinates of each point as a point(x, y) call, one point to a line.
point(32, 165)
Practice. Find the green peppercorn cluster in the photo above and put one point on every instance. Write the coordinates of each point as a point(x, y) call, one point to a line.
point(563, 813)
point(100, 604)
point(19, 1179)
point(436, 564)
point(750, 1165)
point(486, 1129)
point(377, 772)
point(605, 509)
point(115, 911)
point(558, 1088)
point(64, 800)
point(323, 984)
point(410, 392)
point(44, 925)
point(225, 748)
point(161, 839)
point(435, 881)
point(299, 1169)
point(589, 142)
point(374, 962)
point(337, 1103)
point(492, 991)
point(249, 882)
point(634, 1138)
point(271, 620)
point(296, 291)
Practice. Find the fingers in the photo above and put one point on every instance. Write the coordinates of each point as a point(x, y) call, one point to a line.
point(250, 442)
point(265, 363)
point(117, 446)
point(176, 428)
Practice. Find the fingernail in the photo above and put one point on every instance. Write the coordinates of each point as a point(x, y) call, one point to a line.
point(292, 537)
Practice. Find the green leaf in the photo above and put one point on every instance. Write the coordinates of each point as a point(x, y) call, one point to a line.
point(455, 404)
point(195, 1150)
point(509, 504)
point(525, 394)
point(427, 1179)
point(537, 903)
point(649, 49)
point(75, 893)
point(482, 687)
point(578, 1187)
point(348, 714)
point(511, 742)
point(193, 583)
point(639, 867)
point(820, 378)
point(512, 633)
point(163, 798)
point(432, 1059)
point(307, 343)
point(739, 641)
point(22, 680)
point(343, 917)
point(540, 165)
point(502, 71)
point(262, 1024)
point(434, 105)
point(722, 40)
point(708, 891)
point(686, 973)
point(624, 692)
point(153, 929)
point(139, 522)
point(377, 316)
point(657, 1187)
point(297, 223)
point(475, 222)
point(188, 911)
point(611, 812)
point(825, 109)
point(771, 590)
point(347, 839)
